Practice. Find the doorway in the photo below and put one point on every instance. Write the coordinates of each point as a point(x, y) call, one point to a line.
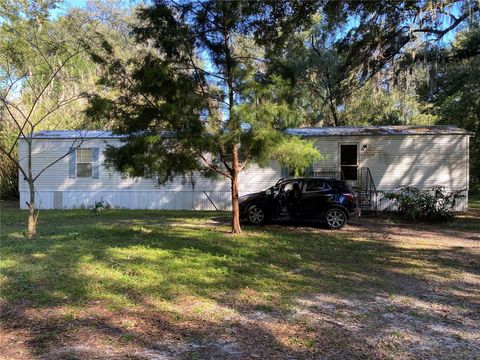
point(349, 161)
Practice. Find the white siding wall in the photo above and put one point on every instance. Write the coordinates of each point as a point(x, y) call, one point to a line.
point(126, 192)
point(397, 160)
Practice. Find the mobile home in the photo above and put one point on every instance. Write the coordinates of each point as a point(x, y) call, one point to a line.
point(372, 159)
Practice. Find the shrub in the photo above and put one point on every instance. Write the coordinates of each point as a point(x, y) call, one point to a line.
point(101, 205)
point(8, 179)
point(433, 203)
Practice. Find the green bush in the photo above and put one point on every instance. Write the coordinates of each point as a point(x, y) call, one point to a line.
point(8, 179)
point(433, 203)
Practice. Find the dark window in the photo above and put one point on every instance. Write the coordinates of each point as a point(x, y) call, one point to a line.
point(316, 185)
point(349, 161)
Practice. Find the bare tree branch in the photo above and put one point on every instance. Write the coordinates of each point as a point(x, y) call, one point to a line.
point(20, 127)
point(245, 162)
point(211, 166)
point(59, 105)
point(44, 88)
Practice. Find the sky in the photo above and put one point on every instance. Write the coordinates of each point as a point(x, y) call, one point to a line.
point(76, 3)
point(81, 4)
point(67, 4)
point(72, 3)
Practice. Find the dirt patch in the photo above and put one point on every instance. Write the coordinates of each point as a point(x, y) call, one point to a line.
point(389, 228)
point(421, 325)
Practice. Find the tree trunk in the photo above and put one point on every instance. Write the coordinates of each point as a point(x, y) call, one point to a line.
point(236, 229)
point(235, 127)
point(333, 109)
point(32, 221)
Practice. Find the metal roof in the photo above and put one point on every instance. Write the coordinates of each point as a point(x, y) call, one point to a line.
point(378, 130)
point(76, 134)
point(303, 132)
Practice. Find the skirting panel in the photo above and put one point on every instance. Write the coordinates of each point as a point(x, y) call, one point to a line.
point(154, 200)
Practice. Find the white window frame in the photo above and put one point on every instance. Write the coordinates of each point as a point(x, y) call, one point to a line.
point(83, 162)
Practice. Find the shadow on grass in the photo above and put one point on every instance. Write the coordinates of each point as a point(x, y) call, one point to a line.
point(130, 260)
point(95, 255)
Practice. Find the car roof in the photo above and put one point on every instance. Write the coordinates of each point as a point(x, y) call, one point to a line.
point(311, 177)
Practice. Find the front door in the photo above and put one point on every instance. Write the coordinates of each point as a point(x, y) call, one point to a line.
point(349, 163)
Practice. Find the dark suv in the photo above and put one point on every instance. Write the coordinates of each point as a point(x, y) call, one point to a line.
point(307, 199)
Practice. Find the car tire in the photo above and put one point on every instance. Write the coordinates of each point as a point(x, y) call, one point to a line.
point(335, 218)
point(256, 215)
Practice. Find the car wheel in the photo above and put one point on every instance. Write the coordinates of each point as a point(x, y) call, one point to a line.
point(256, 215)
point(335, 218)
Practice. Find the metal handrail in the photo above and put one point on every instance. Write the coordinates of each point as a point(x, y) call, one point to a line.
point(366, 185)
point(372, 183)
point(371, 179)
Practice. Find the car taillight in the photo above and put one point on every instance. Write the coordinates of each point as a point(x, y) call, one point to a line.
point(350, 197)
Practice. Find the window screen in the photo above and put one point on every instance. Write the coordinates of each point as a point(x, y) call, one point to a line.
point(349, 161)
point(84, 162)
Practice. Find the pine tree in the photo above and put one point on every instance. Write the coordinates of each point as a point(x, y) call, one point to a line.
point(200, 95)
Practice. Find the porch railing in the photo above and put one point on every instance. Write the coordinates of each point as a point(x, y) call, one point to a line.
point(365, 190)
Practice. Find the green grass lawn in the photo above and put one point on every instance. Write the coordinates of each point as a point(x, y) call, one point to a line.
point(121, 281)
point(125, 257)
point(474, 200)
